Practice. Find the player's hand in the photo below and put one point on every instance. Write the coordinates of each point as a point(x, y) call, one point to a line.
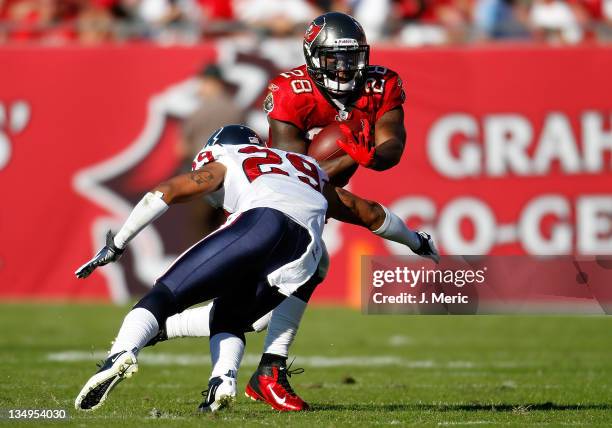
point(360, 146)
point(427, 248)
point(109, 253)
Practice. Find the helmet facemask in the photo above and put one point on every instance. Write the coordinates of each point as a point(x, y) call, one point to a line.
point(340, 69)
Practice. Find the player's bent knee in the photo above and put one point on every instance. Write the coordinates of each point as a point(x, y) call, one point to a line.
point(160, 301)
point(304, 293)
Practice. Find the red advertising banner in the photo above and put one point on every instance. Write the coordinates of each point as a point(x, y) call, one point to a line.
point(508, 152)
point(83, 130)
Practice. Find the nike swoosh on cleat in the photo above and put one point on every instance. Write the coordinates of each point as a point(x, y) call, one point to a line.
point(276, 397)
point(117, 356)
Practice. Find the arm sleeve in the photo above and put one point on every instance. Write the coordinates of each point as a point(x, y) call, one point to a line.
point(146, 211)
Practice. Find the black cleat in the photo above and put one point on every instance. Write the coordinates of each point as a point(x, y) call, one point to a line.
point(221, 392)
point(113, 370)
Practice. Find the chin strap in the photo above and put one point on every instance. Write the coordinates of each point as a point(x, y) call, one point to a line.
point(339, 87)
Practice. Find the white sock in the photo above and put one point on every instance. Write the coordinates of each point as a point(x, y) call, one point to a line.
point(190, 323)
point(139, 326)
point(226, 352)
point(283, 326)
point(394, 229)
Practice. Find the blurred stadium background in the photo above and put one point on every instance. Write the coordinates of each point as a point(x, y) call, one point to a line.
point(509, 151)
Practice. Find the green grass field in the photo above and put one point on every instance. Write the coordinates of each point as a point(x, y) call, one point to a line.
point(360, 370)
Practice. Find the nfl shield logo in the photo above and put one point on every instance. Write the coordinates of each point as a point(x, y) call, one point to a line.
point(342, 115)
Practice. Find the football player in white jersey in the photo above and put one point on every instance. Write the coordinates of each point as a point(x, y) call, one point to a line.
point(226, 319)
point(268, 248)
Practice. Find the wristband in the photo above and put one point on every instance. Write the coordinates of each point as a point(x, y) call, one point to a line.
point(394, 229)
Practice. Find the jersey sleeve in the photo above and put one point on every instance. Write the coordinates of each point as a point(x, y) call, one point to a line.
point(283, 103)
point(207, 155)
point(393, 95)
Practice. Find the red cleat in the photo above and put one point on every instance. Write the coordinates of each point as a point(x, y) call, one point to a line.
point(269, 383)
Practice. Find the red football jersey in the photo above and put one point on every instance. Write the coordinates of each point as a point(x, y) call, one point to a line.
point(294, 97)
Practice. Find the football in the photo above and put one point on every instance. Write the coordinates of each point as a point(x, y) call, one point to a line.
point(323, 145)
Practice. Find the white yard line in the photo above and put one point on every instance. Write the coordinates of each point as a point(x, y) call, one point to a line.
point(468, 423)
point(164, 359)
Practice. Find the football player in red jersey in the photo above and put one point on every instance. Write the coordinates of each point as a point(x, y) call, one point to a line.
point(337, 83)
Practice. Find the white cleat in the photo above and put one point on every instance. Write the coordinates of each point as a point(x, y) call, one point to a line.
point(221, 392)
point(115, 368)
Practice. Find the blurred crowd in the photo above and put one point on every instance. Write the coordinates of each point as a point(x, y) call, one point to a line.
point(405, 22)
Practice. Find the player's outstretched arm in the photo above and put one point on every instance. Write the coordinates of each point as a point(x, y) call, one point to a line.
point(185, 187)
point(350, 208)
point(181, 188)
point(346, 207)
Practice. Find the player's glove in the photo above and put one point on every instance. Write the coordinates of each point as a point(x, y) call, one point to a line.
point(109, 253)
point(359, 146)
point(427, 248)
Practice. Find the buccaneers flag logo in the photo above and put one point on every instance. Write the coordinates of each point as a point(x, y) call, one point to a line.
point(312, 32)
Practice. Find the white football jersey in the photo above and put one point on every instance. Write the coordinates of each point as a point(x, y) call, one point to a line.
point(288, 182)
